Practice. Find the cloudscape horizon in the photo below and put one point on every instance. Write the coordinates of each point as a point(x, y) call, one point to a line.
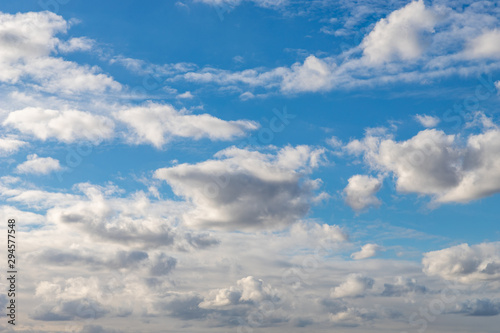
point(250, 166)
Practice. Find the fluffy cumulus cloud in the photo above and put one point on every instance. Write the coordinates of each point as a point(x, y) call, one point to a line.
point(360, 192)
point(399, 36)
point(427, 121)
point(28, 43)
point(355, 285)
point(243, 189)
point(159, 123)
point(100, 213)
point(63, 125)
point(437, 164)
point(38, 165)
point(247, 290)
point(311, 76)
point(464, 263)
point(367, 251)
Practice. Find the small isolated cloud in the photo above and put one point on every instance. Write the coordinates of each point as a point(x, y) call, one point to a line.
point(360, 192)
point(367, 251)
point(427, 121)
point(185, 95)
point(66, 126)
point(355, 285)
point(486, 45)
point(400, 35)
point(38, 165)
point(311, 76)
point(464, 263)
point(157, 124)
point(243, 189)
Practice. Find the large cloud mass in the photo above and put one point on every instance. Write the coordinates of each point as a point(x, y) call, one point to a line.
point(243, 189)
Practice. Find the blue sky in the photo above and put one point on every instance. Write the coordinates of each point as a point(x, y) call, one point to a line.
point(252, 165)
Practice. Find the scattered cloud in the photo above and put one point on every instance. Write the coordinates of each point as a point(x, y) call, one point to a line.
point(360, 192)
point(66, 125)
point(159, 123)
point(38, 165)
point(10, 144)
point(437, 164)
point(355, 285)
point(243, 189)
point(486, 45)
point(427, 121)
point(400, 35)
point(367, 251)
point(464, 263)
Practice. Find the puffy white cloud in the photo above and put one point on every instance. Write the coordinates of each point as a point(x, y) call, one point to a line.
point(354, 286)
point(486, 45)
point(67, 125)
point(427, 121)
point(317, 232)
point(464, 263)
point(157, 124)
point(248, 290)
point(311, 76)
point(399, 36)
point(39, 165)
point(242, 189)
point(367, 251)
point(360, 192)
point(10, 144)
point(437, 164)
point(403, 286)
point(28, 42)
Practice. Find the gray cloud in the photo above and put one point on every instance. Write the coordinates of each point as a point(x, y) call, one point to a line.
point(243, 189)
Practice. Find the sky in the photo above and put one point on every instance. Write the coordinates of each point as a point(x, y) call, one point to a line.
point(251, 165)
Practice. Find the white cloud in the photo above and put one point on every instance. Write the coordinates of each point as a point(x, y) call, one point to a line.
point(185, 95)
point(464, 263)
point(243, 189)
point(486, 45)
point(247, 290)
point(360, 192)
point(354, 286)
point(67, 126)
point(427, 121)
point(158, 123)
point(38, 165)
point(367, 251)
point(28, 42)
point(10, 144)
point(437, 164)
point(399, 36)
point(76, 44)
